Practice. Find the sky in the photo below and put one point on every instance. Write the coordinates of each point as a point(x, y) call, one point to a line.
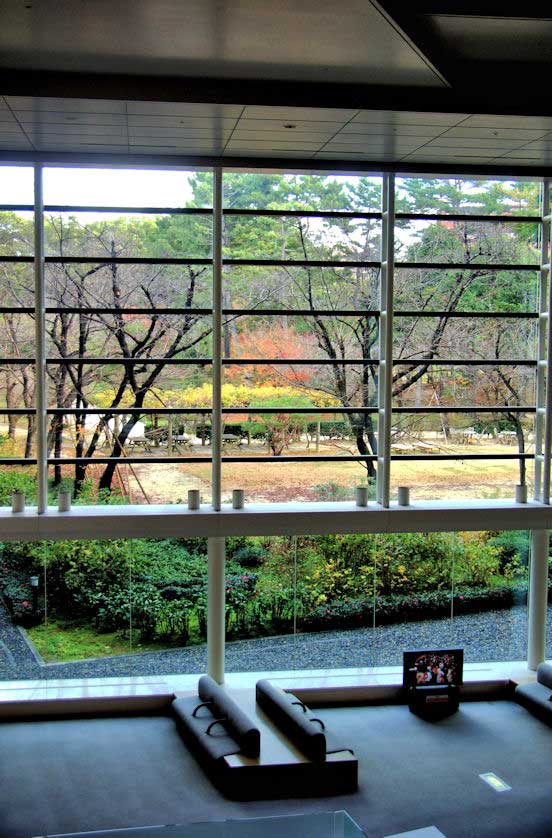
point(97, 187)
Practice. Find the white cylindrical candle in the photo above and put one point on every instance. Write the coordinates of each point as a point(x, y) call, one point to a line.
point(521, 493)
point(18, 502)
point(238, 498)
point(194, 499)
point(64, 501)
point(403, 495)
point(361, 495)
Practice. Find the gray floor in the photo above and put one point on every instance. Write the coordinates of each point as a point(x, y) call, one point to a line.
point(63, 776)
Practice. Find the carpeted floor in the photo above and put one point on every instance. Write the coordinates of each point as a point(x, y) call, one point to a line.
point(62, 776)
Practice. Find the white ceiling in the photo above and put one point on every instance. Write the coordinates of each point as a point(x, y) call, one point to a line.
point(164, 128)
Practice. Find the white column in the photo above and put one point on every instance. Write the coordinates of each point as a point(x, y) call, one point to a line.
point(215, 608)
point(216, 546)
point(543, 418)
point(385, 373)
point(538, 598)
point(41, 392)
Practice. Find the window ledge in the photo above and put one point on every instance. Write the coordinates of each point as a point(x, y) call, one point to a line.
point(173, 521)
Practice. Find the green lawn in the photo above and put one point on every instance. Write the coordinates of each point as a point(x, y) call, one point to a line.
point(58, 643)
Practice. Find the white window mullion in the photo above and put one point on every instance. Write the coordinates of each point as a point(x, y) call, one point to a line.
point(41, 387)
point(385, 377)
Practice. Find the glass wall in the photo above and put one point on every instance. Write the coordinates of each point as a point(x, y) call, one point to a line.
point(129, 370)
point(124, 608)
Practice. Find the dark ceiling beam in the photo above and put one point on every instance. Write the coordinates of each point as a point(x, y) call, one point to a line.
point(409, 19)
point(286, 164)
point(519, 99)
point(485, 8)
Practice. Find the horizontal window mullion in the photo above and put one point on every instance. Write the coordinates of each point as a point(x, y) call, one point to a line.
point(298, 361)
point(315, 458)
point(517, 315)
point(276, 213)
point(127, 210)
point(498, 219)
point(125, 260)
point(17, 411)
point(126, 310)
point(299, 410)
point(298, 263)
point(122, 411)
point(302, 312)
point(463, 362)
point(17, 310)
point(151, 411)
point(71, 461)
point(468, 409)
point(18, 461)
point(128, 361)
point(445, 457)
point(467, 266)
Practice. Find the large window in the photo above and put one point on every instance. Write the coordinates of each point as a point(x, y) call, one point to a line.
point(356, 331)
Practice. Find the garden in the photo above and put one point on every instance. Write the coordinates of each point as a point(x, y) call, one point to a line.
point(147, 595)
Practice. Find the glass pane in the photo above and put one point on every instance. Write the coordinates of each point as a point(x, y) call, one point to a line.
point(300, 237)
point(255, 190)
point(466, 242)
point(490, 595)
point(126, 187)
point(479, 196)
point(300, 288)
point(126, 236)
point(418, 289)
point(468, 338)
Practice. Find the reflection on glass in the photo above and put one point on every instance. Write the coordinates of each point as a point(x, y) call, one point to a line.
point(490, 595)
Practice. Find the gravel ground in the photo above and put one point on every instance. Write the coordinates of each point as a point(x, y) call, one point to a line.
point(488, 636)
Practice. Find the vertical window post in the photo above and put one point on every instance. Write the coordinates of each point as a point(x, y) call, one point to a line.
point(385, 377)
point(538, 567)
point(216, 546)
point(40, 344)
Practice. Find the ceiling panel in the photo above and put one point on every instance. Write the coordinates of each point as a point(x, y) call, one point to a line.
point(409, 117)
point(187, 151)
point(61, 118)
point(294, 114)
point(148, 133)
point(500, 121)
point(156, 121)
point(519, 134)
point(445, 141)
point(190, 109)
point(75, 130)
point(208, 130)
point(276, 145)
point(84, 147)
point(289, 137)
point(45, 104)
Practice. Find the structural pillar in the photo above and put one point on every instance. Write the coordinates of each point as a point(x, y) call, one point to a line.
point(538, 598)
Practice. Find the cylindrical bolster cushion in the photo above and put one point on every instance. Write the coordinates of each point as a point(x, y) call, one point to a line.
point(236, 721)
point(544, 674)
point(291, 719)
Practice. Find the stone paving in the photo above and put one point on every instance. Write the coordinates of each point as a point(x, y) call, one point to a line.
point(488, 636)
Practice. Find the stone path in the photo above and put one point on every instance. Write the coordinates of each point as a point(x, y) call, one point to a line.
point(489, 636)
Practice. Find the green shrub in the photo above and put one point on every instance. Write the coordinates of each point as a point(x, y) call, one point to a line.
point(357, 613)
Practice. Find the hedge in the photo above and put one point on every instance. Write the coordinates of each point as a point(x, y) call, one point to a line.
point(348, 614)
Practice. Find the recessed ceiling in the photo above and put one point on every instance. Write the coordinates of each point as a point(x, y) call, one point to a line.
point(299, 40)
point(455, 84)
point(206, 130)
